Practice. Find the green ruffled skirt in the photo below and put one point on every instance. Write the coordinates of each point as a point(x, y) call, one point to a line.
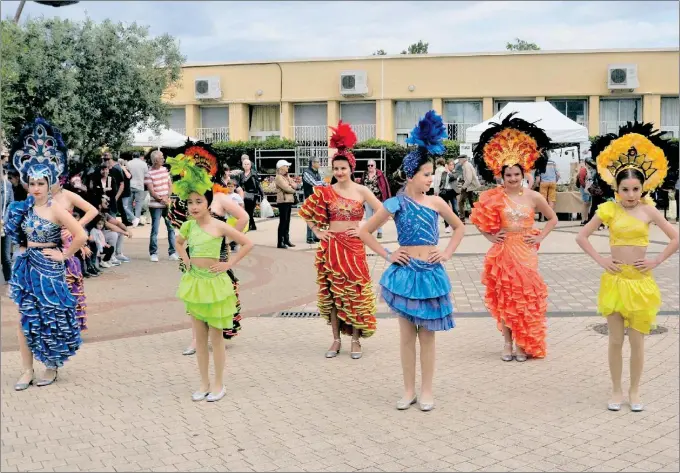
point(209, 297)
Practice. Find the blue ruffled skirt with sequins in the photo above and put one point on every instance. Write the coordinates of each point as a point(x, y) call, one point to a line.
point(47, 307)
point(420, 293)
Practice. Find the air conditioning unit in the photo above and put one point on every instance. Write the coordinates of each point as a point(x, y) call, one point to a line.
point(207, 88)
point(622, 77)
point(353, 83)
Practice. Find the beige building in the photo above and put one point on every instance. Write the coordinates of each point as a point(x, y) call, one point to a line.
point(383, 96)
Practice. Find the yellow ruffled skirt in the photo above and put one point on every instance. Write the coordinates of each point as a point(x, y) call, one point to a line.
point(631, 293)
point(209, 297)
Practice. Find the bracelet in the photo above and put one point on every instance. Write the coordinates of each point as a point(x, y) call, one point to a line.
point(389, 253)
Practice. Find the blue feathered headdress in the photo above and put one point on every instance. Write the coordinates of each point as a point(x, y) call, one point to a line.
point(427, 136)
point(39, 152)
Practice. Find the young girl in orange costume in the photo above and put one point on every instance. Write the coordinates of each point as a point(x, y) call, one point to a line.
point(516, 294)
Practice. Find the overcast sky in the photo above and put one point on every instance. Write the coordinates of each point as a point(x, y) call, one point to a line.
point(244, 31)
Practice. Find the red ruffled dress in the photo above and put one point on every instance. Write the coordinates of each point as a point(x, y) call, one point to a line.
point(516, 295)
point(343, 275)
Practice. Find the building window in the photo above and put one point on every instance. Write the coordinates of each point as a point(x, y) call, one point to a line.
point(459, 116)
point(406, 116)
point(311, 127)
point(670, 115)
point(575, 109)
point(361, 115)
point(265, 120)
point(214, 124)
point(499, 104)
point(177, 120)
point(616, 112)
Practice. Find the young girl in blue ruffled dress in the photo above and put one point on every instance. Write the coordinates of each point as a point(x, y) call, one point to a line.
point(49, 330)
point(415, 286)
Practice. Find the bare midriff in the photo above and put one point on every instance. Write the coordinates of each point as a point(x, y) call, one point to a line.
point(628, 254)
point(419, 251)
point(32, 244)
point(204, 263)
point(339, 226)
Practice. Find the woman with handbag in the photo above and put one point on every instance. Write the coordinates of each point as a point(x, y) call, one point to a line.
point(252, 191)
point(285, 199)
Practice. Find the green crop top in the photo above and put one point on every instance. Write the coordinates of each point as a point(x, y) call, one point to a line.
point(201, 243)
point(624, 229)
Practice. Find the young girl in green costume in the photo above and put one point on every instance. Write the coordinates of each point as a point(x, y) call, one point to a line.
point(206, 289)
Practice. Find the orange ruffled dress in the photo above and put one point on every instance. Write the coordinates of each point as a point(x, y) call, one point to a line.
point(516, 295)
point(343, 276)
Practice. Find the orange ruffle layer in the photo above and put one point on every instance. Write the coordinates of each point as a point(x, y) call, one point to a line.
point(486, 212)
point(345, 283)
point(314, 209)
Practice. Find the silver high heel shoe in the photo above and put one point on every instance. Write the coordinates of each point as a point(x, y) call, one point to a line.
point(356, 354)
point(333, 354)
point(507, 357)
point(24, 386)
point(47, 382)
point(402, 404)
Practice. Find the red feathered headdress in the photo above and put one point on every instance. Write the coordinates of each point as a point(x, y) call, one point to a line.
point(203, 158)
point(343, 140)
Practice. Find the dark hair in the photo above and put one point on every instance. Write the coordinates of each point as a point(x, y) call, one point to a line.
point(629, 173)
point(208, 196)
point(504, 168)
point(102, 167)
point(400, 174)
point(136, 155)
point(440, 161)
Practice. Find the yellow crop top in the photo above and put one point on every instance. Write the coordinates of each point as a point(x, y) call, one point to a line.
point(201, 243)
point(624, 229)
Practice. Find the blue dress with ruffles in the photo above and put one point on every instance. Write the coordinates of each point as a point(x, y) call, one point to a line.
point(418, 291)
point(38, 287)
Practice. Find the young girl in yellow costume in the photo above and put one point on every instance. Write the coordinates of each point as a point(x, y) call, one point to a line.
point(634, 163)
point(206, 289)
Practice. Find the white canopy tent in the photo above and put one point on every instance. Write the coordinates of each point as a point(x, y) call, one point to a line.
point(558, 127)
point(165, 138)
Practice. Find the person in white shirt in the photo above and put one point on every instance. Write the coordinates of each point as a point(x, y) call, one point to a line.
point(139, 170)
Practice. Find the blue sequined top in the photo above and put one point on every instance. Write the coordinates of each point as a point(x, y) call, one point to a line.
point(416, 224)
point(23, 224)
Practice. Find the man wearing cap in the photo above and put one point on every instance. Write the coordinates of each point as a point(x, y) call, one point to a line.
point(311, 178)
point(285, 198)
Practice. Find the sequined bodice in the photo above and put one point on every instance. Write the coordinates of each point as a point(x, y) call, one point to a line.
point(416, 224)
point(40, 230)
point(344, 210)
point(516, 217)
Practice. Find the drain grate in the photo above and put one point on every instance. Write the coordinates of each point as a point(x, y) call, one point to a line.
point(299, 314)
point(602, 329)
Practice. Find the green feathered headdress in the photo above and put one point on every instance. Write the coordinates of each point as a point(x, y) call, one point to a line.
point(192, 178)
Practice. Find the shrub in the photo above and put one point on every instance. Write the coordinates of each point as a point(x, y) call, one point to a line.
point(231, 151)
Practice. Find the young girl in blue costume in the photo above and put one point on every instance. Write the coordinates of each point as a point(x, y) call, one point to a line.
point(416, 285)
point(206, 288)
point(49, 330)
point(633, 164)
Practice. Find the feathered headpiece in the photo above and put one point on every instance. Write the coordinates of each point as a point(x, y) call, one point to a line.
point(512, 141)
point(637, 146)
point(193, 178)
point(344, 139)
point(203, 157)
point(39, 152)
point(427, 135)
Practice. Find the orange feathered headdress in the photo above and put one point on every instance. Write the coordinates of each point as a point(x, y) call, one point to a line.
point(203, 159)
point(344, 139)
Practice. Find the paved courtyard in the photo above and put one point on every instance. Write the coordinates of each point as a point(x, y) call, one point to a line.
point(123, 403)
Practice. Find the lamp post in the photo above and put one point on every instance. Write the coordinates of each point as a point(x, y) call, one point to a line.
point(55, 4)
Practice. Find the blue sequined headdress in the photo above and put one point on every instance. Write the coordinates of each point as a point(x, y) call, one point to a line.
point(427, 135)
point(39, 152)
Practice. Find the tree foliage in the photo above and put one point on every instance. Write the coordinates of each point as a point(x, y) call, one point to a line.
point(521, 45)
point(417, 48)
point(93, 81)
point(380, 52)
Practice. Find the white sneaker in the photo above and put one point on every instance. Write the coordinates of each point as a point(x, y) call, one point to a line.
point(172, 257)
point(135, 222)
point(105, 264)
point(122, 258)
point(114, 261)
point(448, 229)
point(154, 258)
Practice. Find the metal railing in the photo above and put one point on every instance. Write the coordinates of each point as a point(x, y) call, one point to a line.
point(364, 132)
point(456, 131)
point(310, 135)
point(211, 135)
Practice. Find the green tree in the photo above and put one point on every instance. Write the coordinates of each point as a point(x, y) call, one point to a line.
point(94, 81)
point(521, 45)
point(417, 48)
point(380, 52)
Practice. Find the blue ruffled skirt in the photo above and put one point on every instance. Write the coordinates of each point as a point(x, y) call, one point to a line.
point(47, 307)
point(420, 293)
